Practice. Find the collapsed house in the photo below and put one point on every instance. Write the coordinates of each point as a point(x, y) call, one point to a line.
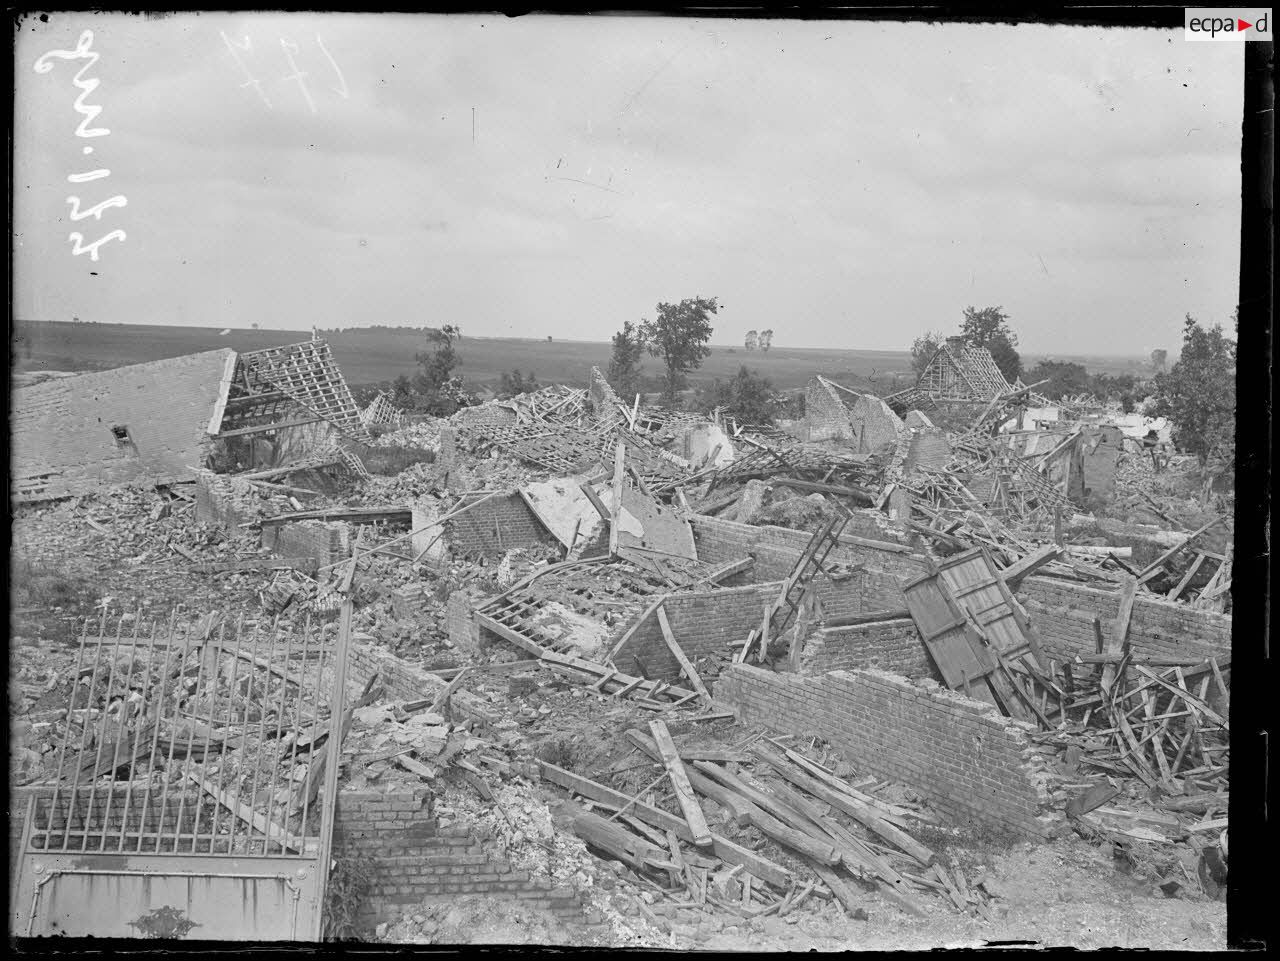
point(156, 423)
point(792, 651)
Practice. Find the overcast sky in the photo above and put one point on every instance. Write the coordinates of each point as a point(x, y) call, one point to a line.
point(846, 184)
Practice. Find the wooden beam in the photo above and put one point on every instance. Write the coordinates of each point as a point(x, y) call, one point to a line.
point(1018, 570)
point(680, 781)
point(1174, 550)
point(726, 850)
point(263, 428)
point(685, 664)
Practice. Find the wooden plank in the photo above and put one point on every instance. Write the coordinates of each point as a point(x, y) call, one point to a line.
point(615, 509)
point(1187, 579)
point(806, 839)
point(247, 814)
point(680, 782)
point(1159, 561)
point(862, 813)
point(685, 664)
point(1185, 695)
point(1119, 630)
point(726, 850)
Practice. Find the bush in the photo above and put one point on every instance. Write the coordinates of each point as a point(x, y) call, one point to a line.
point(349, 884)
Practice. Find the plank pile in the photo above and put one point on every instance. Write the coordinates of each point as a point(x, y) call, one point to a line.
point(705, 850)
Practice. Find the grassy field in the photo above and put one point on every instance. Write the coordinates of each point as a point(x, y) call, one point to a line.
point(373, 356)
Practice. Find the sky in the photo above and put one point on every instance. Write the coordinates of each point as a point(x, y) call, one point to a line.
point(846, 184)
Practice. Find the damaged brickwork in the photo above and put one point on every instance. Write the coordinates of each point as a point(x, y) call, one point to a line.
point(963, 755)
point(420, 863)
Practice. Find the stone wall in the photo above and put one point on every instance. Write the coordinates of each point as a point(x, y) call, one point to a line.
point(970, 762)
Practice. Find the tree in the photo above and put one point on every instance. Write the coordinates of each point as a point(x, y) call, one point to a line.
point(624, 364)
point(514, 383)
point(923, 348)
point(766, 339)
point(402, 389)
point(989, 328)
point(747, 397)
point(439, 391)
point(679, 336)
point(1199, 395)
point(752, 340)
point(1065, 378)
point(1158, 358)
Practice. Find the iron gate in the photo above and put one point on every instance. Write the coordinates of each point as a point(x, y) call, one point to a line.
point(186, 796)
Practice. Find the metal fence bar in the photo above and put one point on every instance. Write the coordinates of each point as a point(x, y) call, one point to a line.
point(163, 680)
point(101, 732)
point(173, 728)
point(251, 696)
point(315, 715)
point(210, 696)
point(137, 737)
point(191, 740)
point(337, 706)
point(66, 735)
point(226, 726)
point(298, 715)
point(275, 769)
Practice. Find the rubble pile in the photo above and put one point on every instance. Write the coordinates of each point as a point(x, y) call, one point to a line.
point(546, 582)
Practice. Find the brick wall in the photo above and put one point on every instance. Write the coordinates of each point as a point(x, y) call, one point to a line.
point(406, 681)
point(929, 448)
point(701, 623)
point(416, 859)
point(326, 541)
point(224, 502)
point(1063, 613)
point(496, 526)
point(968, 760)
point(825, 413)
point(464, 632)
point(878, 428)
point(61, 436)
point(893, 646)
point(775, 549)
point(448, 455)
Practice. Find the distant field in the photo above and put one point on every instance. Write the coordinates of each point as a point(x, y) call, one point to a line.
point(371, 357)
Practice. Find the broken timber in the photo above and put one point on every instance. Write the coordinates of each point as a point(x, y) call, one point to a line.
point(726, 850)
point(680, 782)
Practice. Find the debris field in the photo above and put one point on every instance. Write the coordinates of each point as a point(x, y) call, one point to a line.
point(589, 672)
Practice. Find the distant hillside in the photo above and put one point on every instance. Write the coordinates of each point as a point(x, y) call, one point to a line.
point(369, 356)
